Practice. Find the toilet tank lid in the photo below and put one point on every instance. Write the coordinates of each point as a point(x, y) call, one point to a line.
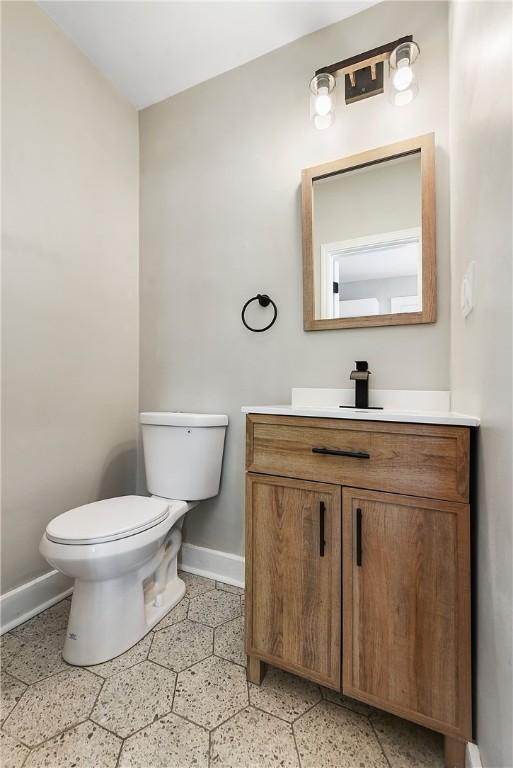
point(179, 419)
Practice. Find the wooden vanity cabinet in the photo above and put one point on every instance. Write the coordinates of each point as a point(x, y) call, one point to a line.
point(293, 595)
point(406, 607)
point(381, 612)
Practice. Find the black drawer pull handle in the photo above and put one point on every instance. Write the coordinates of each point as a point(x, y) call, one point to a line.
point(358, 537)
point(334, 452)
point(322, 543)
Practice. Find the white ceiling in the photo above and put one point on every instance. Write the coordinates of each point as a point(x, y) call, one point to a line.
point(151, 50)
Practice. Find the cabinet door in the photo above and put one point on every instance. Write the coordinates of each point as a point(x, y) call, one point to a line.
point(293, 576)
point(406, 604)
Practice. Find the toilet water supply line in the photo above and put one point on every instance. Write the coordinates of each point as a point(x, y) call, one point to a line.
point(170, 550)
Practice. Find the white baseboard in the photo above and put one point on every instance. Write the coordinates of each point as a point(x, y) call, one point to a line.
point(22, 603)
point(212, 563)
point(472, 756)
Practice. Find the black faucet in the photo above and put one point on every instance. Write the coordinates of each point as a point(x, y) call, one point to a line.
point(361, 378)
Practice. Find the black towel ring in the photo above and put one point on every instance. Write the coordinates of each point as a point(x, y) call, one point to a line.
point(264, 300)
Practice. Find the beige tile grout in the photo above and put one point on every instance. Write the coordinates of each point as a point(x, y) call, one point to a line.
point(146, 658)
point(122, 744)
point(64, 730)
point(25, 692)
point(169, 711)
point(25, 759)
point(124, 738)
point(132, 733)
point(249, 705)
point(148, 725)
point(297, 748)
point(18, 679)
point(67, 668)
point(194, 621)
point(273, 714)
point(70, 728)
point(379, 742)
point(170, 669)
point(103, 681)
point(59, 733)
point(209, 756)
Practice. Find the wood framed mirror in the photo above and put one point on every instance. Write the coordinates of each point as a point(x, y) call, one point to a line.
point(369, 252)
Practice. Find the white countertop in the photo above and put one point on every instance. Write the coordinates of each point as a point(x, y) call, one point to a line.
point(407, 417)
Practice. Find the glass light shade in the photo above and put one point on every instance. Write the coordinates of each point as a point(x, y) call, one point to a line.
point(322, 100)
point(403, 76)
point(403, 85)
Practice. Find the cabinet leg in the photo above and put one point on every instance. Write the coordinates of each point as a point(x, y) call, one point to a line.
point(256, 670)
point(454, 753)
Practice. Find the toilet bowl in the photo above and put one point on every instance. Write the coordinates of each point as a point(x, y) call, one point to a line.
point(123, 552)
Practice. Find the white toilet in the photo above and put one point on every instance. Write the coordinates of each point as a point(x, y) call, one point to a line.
point(122, 552)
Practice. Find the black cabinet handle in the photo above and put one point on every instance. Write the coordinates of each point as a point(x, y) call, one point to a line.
point(322, 543)
point(358, 537)
point(334, 452)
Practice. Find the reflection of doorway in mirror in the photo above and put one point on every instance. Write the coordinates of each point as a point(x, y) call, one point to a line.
point(374, 275)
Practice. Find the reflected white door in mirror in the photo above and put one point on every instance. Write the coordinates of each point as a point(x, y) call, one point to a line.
point(375, 275)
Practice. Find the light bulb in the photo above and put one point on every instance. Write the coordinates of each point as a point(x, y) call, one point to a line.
point(323, 121)
point(401, 98)
point(403, 75)
point(323, 102)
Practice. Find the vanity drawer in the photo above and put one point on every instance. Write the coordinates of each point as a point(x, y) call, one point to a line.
point(416, 459)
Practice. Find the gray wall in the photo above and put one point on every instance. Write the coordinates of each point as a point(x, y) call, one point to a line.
point(70, 314)
point(370, 201)
point(220, 221)
point(481, 204)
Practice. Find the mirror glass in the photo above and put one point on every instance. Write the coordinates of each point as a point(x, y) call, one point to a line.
point(367, 240)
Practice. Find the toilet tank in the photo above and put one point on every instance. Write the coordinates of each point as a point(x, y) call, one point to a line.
point(183, 454)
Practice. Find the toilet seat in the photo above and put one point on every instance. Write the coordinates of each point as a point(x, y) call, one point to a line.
point(107, 520)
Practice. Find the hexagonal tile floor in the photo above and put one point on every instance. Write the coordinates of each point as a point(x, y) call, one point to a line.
point(179, 699)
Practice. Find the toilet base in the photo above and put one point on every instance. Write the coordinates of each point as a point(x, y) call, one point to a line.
point(107, 618)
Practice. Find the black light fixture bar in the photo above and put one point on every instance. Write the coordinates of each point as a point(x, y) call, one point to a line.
point(364, 74)
point(382, 50)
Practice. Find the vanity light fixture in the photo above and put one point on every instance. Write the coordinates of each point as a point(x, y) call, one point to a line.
point(364, 77)
point(322, 100)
